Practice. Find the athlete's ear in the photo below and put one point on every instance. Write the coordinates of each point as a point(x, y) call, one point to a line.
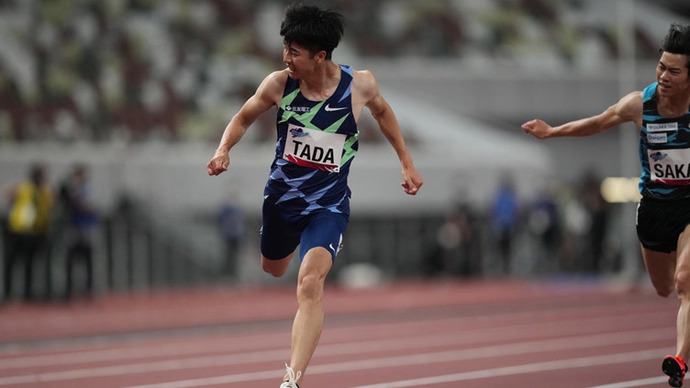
point(320, 56)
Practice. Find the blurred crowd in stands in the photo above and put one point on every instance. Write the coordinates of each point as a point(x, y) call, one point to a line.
point(38, 220)
point(174, 70)
point(566, 229)
point(54, 239)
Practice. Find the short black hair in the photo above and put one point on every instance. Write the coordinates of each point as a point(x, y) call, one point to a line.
point(312, 27)
point(677, 41)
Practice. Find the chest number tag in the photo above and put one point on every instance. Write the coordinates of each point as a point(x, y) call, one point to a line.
point(313, 148)
point(670, 166)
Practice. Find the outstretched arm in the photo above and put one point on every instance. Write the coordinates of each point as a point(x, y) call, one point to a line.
point(627, 109)
point(267, 94)
point(388, 123)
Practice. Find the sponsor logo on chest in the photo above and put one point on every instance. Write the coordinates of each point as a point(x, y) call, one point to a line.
point(661, 127)
point(657, 132)
point(297, 109)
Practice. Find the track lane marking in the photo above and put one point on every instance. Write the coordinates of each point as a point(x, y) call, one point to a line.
point(580, 362)
point(264, 340)
point(525, 347)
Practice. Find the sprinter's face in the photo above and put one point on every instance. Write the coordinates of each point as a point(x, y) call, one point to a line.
point(300, 62)
point(672, 74)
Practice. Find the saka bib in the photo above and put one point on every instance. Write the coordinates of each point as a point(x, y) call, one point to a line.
point(670, 166)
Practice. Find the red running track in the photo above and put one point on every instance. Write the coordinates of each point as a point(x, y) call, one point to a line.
point(417, 334)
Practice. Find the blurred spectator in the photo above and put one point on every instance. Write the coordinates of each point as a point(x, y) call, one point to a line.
point(231, 224)
point(457, 251)
point(26, 232)
point(81, 221)
point(576, 224)
point(585, 227)
point(12, 108)
point(598, 213)
point(504, 221)
point(432, 30)
point(544, 226)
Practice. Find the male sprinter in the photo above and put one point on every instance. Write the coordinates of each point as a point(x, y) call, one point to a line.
point(306, 198)
point(660, 112)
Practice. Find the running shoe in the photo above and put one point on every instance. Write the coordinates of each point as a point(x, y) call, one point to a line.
point(291, 382)
point(675, 367)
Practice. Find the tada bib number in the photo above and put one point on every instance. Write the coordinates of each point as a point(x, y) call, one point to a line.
point(313, 148)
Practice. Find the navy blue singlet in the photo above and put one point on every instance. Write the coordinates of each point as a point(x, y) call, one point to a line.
point(317, 141)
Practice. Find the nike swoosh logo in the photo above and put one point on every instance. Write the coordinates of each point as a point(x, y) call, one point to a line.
point(331, 246)
point(329, 109)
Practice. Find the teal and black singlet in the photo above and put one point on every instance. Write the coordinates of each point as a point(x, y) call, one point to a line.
point(664, 151)
point(317, 141)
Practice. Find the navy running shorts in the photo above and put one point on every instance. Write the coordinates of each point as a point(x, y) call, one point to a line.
point(282, 232)
point(660, 223)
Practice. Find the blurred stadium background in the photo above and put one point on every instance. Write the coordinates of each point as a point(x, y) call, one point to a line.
point(140, 92)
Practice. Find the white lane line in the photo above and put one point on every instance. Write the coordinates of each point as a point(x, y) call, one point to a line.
point(582, 362)
point(146, 350)
point(635, 383)
point(556, 344)
point(616, 358)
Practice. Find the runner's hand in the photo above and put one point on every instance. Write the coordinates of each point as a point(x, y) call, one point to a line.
point(412, 181)
point(218, 164)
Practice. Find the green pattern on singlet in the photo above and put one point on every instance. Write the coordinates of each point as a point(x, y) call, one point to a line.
point(306, 120)
point(349, 151)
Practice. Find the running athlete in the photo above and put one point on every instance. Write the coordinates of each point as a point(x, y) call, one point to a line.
point(661, 113)
point(306, 198)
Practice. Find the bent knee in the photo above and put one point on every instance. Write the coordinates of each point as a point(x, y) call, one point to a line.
point(665, 287)
point(310, 287)
point(274, 271)
point(682, 279)
point(276, 268)
point(664, 292)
